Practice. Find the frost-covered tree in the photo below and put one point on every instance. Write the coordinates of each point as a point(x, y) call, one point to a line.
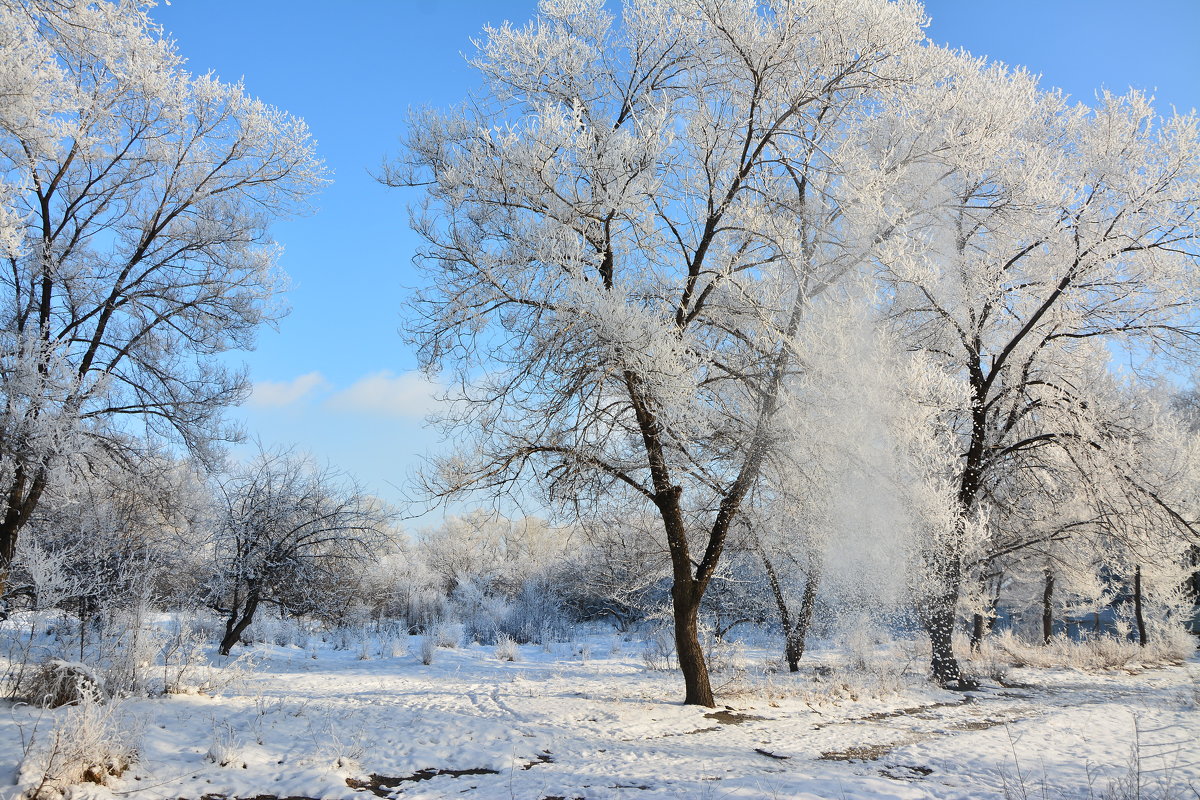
point(618, 569)
point(499, 553)
point(135, 200)
point(287, 527)
point(123, 530)
point(1055, 235)
point(861, 476)
point(623, 232)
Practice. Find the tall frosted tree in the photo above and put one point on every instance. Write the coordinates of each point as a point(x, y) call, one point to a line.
point(1054, 236)
point(135, 200)
point(623, 231)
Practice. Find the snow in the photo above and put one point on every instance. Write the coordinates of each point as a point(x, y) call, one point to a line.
point(555, 724)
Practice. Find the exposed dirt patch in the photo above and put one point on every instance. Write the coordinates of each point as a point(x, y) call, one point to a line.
point(905, 772)
point(976, 724)
point(920, 712)
point(726, 717)
point(698, 730)
point(385, 786)
point(869, 752)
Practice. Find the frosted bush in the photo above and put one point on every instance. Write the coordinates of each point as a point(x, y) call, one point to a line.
point(724, 655)
point(507, 648)
point(428, 649)
point(658, 654)
point(393, 647)
point(225, 749)
point(364, 644)
point(182, 657)
point(128, 654)
point(447, 634)
point(56, 682)
point(92, 742)
point(534, 614)
point(279, 631)
point(1089, 652)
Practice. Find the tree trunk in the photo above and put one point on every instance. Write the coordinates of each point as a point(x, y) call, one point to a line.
point(976, 631)
point(794, 632)
point(794, 645)
point(1048, 608)
point(1137, 605)
point(939, 620)
point(237, 623)
point(697, 689)
point(23, 497)
point(940, 626)
point(982, 622)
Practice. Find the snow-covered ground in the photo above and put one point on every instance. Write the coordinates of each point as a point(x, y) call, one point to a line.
point(600, 724)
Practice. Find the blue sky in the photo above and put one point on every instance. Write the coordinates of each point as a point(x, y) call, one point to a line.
point(335, 378)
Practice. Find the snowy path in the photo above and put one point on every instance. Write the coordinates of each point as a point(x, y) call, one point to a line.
point(555, 727)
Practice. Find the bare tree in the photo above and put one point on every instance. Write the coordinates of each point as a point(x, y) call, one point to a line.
point(285, 526)
point(623, 233)
point(133, 235)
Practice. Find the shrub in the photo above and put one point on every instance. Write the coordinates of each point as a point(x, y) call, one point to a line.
point(92, 742)
point(60, 683)
point(507, 648)
point(428, 649)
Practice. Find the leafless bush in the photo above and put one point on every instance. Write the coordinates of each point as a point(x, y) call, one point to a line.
point(1088, 652)
point(56, 683)
point(428, 649)
point(659, 652)
point(226, 747)
point(92, 742)
point(507, 649)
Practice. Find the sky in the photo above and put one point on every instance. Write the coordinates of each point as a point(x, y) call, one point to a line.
point(336, 378)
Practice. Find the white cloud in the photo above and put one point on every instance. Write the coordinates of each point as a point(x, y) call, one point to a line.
point(277, 394)
point(388, 394)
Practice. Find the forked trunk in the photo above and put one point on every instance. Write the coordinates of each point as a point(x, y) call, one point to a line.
point(795, 631)
point(239, 620)
point(24, 494)
point(797, 635)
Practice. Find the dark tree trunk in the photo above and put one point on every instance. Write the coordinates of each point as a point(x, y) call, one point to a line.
point(796, 637)
point(24, 494)
point(941, 609)
point(239, 620)
point(940, 626)
point(697, 689)
point(1048, 608)
point(795, 631)
point(940, 613)
point(982, 622)
point(976, 631)
point(1192, 584)
point(1137, 605)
